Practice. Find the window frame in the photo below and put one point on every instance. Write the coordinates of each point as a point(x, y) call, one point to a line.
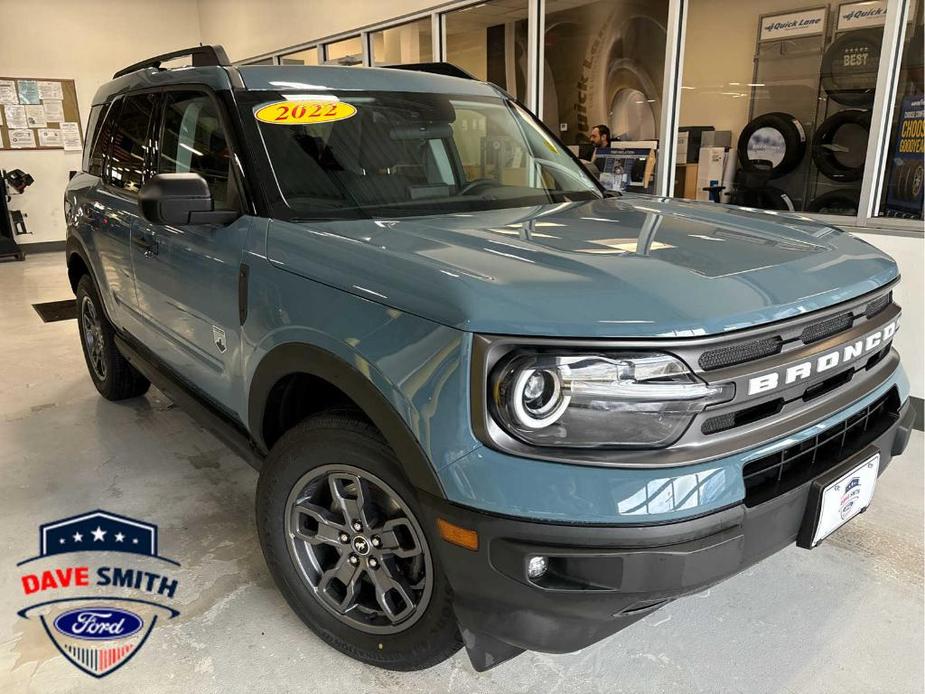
point(246, 193)
point(104, 153)
point(224, 121)
point(105, 179)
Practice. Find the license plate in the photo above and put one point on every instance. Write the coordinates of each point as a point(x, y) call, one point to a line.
point(846, 497)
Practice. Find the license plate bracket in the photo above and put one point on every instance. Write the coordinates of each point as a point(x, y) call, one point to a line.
point(838, 496)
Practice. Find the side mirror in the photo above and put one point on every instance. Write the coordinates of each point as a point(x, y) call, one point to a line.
point(180, 199)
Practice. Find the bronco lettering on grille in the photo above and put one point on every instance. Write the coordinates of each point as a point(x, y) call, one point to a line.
point(824, 362)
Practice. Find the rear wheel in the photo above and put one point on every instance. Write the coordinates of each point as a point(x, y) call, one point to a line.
point(113, 376)
point(339, 528)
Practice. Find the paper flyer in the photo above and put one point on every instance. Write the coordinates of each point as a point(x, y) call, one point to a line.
point(22, 139)
point(8, 93)
point(54, 110)
point(15, 116)
point(70, 137)
point(49, 137)
point(28, 91)
point(35, 116)
point(50, 90)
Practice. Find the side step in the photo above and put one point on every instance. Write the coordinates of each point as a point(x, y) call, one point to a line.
point(217, 423)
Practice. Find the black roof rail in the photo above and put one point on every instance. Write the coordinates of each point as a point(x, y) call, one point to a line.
point(447, 69)
point(202, 56)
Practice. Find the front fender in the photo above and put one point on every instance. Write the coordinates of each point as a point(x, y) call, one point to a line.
point(358, 384)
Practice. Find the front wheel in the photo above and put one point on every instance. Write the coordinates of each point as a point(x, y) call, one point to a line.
point(340, 532)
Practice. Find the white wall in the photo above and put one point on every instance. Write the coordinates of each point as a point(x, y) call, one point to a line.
point(909, 253)
point(87, 41)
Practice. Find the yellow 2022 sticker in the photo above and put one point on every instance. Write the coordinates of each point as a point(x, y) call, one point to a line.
point(304, 112)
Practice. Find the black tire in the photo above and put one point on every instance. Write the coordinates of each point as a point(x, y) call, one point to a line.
point(911, 179)
point(826, 155)
point(842, 201)
point(771, 198)
point(849, 67)
point(326, 441)
point(775, 137)
point(766, 198)
point(111, 373)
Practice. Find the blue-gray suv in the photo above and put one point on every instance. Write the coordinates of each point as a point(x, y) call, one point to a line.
point(491, 403)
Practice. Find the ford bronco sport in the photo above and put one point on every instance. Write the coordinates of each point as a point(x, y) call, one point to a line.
point(491, 404)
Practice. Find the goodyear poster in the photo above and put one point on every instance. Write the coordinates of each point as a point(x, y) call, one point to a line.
point(904, 194)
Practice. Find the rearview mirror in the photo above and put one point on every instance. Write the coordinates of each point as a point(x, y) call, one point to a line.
point(180, 199)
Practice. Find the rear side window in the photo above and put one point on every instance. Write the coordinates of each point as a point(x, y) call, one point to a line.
point(93, 124)
point(93, 163)
point(193, 141)
point(130, 143)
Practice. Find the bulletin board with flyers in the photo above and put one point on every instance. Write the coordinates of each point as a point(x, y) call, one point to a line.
point(39, 114)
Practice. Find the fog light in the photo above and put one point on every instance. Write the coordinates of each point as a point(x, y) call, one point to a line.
point(536, 567)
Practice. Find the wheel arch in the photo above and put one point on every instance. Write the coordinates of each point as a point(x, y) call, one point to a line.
point(78, 264)
point(294, 359)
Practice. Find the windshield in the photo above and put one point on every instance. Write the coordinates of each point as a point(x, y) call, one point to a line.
point(389, 154)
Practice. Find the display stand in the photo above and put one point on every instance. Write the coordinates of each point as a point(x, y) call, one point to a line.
point(786, 80)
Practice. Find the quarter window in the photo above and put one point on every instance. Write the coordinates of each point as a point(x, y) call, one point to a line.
point(193, 141)
point(101, 139)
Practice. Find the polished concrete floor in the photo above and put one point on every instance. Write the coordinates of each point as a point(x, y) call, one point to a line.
point(846, 617)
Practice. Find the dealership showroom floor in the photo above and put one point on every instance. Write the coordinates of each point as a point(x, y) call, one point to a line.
point(846, 617)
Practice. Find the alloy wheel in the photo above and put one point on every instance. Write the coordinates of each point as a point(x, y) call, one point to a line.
point(93, 337)
point(359, 548)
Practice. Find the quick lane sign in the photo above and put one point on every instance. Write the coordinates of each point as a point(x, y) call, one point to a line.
point(793, 25)
point(857, 15)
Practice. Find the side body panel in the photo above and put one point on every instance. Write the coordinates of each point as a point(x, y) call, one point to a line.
point(419, 367)
point(99, 223)
point(188, 294)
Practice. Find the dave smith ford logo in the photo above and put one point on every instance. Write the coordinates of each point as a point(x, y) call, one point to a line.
point(829, 360)
point(99, 608)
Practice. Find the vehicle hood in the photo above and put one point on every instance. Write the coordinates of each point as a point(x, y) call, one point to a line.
point(635, 266)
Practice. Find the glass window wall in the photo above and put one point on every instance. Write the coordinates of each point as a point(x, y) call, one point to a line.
point(903, 178)
point(489, 41)
point(406, 43)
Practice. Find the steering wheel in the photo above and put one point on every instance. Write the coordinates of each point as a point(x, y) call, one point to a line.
point(476, 183)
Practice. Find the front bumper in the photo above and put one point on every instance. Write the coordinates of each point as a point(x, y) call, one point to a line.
point(602, 579)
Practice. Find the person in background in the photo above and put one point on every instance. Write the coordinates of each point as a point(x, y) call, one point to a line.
point(600, 138)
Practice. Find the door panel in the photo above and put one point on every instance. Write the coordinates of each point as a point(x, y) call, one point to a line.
point(186, 278)
point(121, 160)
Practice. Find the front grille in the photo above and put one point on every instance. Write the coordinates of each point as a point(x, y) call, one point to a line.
point(780, 472)
point(827, 328)
point(769, 345)
point(731, 420)
point(877, 305)
point(741, 353)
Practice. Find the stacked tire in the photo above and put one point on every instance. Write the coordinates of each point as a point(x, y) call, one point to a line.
point(840, 145)
point(849, 67)
point(778, 138)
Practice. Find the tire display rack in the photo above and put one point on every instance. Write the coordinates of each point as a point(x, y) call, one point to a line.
point(810, 106)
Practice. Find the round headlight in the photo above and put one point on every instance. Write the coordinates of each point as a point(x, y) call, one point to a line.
point(538, 398)
point(615, 399)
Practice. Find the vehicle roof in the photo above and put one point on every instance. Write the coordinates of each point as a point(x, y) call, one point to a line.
point(296, 77)
point(277, 77)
